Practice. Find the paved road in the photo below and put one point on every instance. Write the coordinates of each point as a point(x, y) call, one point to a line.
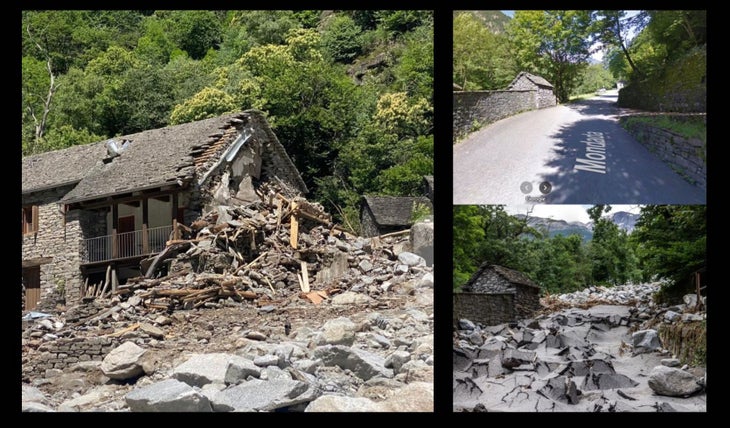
point(579, 149)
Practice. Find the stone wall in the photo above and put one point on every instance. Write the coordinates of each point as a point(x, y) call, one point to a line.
point(64, 352)
point(546, 98)
point(487, 309)
point(686, 156)
point(478, 108)
point(58, 241)
point(527, 301)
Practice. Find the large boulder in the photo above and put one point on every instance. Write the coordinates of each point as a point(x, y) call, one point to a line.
point(257, 395)
point(336, 403)
point(202, 369)
point(363, 364)
point(673, 382)
point(422, 240)
point(339, 331)
point(645, 341)
point(167, 396)
point(123, 362)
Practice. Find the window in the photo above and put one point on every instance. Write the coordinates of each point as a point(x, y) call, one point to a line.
point(30, 219)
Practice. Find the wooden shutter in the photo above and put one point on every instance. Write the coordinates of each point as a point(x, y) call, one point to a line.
point(35, 225)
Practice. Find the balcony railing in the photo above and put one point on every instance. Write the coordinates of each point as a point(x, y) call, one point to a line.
point(127, 244)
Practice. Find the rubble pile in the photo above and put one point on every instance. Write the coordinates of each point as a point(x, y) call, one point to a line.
point(262, 307)
point(604, 354)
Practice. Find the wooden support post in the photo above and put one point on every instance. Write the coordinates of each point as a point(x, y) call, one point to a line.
point(115, 227)
point(305, 278)
point(173, 216)
point(294, 236)
point(145, 222)
point(115, 282)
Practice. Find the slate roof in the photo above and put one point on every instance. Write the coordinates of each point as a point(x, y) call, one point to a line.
point(154, 158)
point(60, 167)
point(394, 210)
point(538, 80)
point(511, 275)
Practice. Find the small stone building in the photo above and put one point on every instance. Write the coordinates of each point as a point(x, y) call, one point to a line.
point(107, 205)
point(527, 81)
point(386, 214)
point(496, 295)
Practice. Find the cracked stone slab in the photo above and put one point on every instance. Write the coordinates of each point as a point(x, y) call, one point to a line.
point(257, 394)
point(364, 364)
point(167, 396)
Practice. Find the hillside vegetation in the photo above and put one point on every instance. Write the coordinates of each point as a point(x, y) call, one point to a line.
point(348, 93)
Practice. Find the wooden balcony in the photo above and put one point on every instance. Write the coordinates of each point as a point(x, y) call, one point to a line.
point(125, 245)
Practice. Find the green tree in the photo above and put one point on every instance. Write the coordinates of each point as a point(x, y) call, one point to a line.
point(209, 102)
point(481, 59)
point(595, 77)
point(341, 39)
point(671, 243)
point(612, 256)
point(552, 43)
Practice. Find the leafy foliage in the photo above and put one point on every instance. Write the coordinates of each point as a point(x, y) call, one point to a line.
point(482, 58)
point(119, 72)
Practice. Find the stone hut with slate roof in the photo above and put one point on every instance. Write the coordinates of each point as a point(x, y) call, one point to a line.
point(529, 82)
point(385, 214)
point(114, 202)
point(496, 295)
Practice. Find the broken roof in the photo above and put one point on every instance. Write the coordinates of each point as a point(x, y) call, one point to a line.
point(538, 80)
point(153, 158)
point(394, 210)
point(511, 275)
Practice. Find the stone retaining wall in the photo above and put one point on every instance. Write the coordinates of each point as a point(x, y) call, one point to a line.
point(487, 309)
point(474, 109)
point(64, 352)
point(686, 156)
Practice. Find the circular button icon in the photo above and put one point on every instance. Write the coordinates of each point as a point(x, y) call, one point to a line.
point(526, 187)
point(545, 187)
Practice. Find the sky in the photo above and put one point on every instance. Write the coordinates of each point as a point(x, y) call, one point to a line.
point(565, 212)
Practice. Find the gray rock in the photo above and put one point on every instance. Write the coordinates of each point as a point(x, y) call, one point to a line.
point(35, 407)
point(307, 365)
point(167, 396)
point(257, 394)
point(30, 393)
point(163, 320)
point(152, 330)
point(606, 381)
point(422, 240)
point(351, 298)
point(673, 382)
point(335, 403)
point(690, 300)
point(411, 259)
point(426, 281)
point(561, 389)
point(339, 331)
point(365, 266)
point(363, 364)
point(414, 397)
point(512, 358)
point(396, 360)
point(266, 360)
point(688, 317)
point(671, 316)
point(123, 362)
point(255, 335)
point(465, 324)
point(671, 362)
point(201, 369)
point(239, 369)
point(274, 372)
point(645, 341)
point(475, 337)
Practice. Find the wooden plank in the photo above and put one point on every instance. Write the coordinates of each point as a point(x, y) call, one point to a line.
point(115, 281)
point(305, 278)
point(124, 330)
point(294, 236)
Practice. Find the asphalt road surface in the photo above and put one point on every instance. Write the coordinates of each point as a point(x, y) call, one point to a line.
point(568, 154)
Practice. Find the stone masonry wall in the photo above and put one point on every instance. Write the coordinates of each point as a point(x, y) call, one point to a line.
point(59, 242)
point(483, 107)
point(487, 309)
point(686, 156)
point(491, 282)
point(527, 301)
point(64, 352)
point(546, 98)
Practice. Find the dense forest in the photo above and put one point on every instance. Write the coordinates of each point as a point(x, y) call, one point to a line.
point(557, 44)
point(348, 93)
point(668, 243)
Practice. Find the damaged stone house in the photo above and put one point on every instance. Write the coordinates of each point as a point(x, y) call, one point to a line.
point(386, 214)
point(495, 295)
point(110, 204)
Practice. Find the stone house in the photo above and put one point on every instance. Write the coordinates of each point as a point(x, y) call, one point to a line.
point(386, 214)
point(113, 203)
point(496, 294)
point(527, 81)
